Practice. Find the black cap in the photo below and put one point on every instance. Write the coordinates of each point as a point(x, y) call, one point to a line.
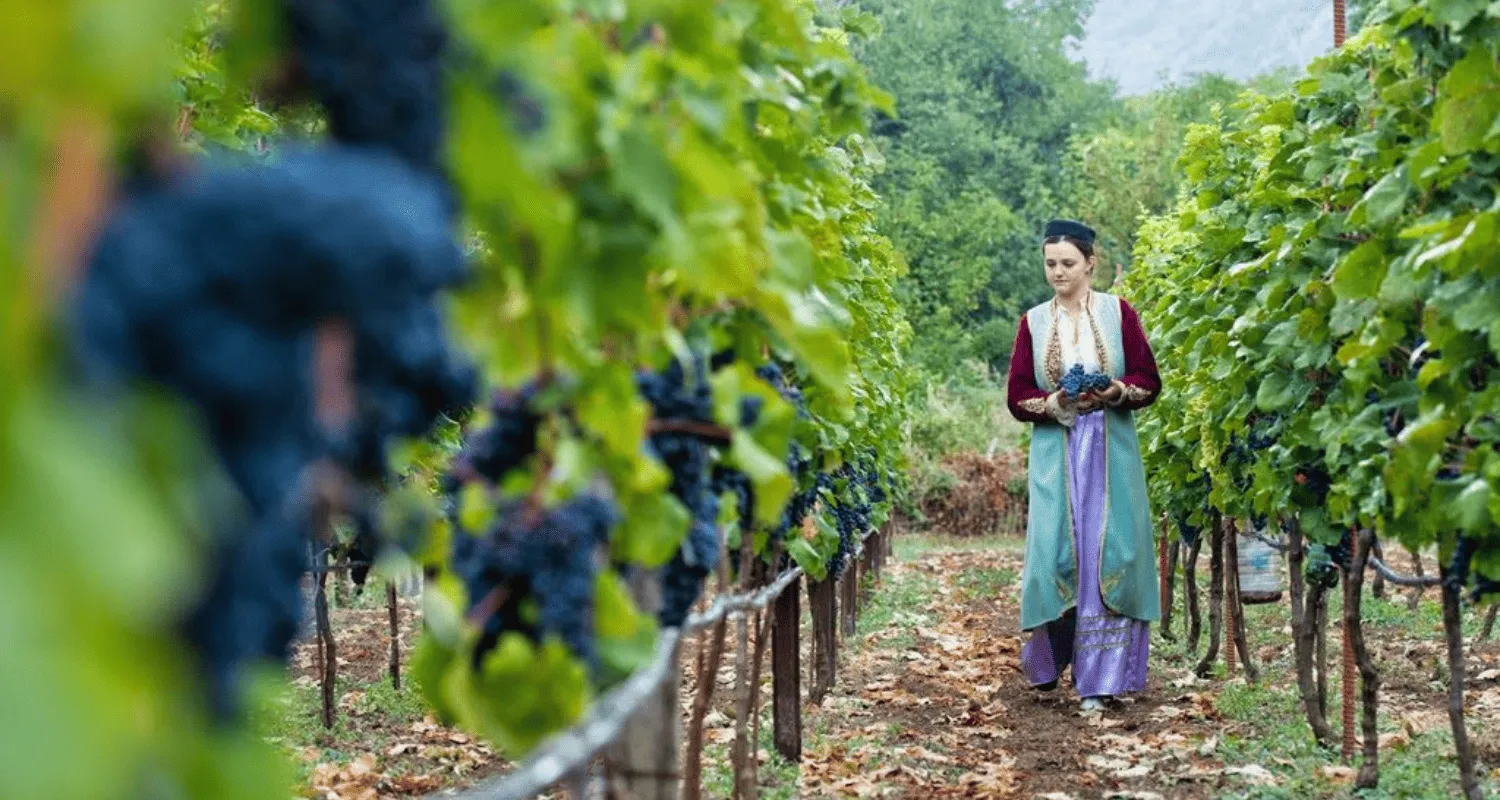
point(1070, 229)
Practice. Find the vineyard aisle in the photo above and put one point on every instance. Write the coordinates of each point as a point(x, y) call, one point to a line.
point(931, 703)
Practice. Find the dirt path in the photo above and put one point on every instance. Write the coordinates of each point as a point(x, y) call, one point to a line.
point(932, 703)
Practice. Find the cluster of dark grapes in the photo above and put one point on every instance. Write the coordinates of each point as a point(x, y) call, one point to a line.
point(232, 284)
point(533, 569)
point(799, 461)
point(680, 394)
point(1078, 380)
point(218, 286)
point(1326, 562)
point(1315, 482)
point(851, 513)
point(1262, 431)
point(534, 572)
point(1188, 531)
point(490, 452)
point(376, 66)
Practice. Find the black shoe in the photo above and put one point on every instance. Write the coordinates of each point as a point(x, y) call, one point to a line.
point(1046, 687)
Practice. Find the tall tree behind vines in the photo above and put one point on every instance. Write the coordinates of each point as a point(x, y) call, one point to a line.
point(987, 101)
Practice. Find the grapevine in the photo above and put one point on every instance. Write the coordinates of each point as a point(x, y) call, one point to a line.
point(1325, 290)
point(282, 341)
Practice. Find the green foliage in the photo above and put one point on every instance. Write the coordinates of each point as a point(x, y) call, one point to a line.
point(652, 174)
point(1331, 270)
point(1128, 169)
point(987, 99)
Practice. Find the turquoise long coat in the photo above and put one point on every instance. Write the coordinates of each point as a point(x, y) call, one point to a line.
point(1127, 570)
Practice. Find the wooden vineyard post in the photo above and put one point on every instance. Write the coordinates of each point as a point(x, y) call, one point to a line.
point(327, 649)
point(849, 598)
point(786, 673)
point(867, 569)
point(1174, 554)
point(823, 601)
point(1215, 596)
point(393, 610)
point(1414, 601)
point(1305, 600)
point(1161, 562)
point(1340, 26)
point(1238, 639)
point(646, 758)
point(1369, 679)
point(1190, 593)
point(1231, 577)
point(1347, 716)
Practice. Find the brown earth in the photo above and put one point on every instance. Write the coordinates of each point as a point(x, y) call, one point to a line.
point(951, 715)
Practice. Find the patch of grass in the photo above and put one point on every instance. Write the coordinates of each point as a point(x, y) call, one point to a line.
point(292, 717)
point(898, 605)
point(911, 546)
point(984, 583)
point(777, 776)
point(1278, 740)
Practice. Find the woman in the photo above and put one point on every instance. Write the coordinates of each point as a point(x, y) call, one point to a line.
point(1089, 587)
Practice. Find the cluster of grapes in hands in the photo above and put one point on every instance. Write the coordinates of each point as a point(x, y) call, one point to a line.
point(1079, 381)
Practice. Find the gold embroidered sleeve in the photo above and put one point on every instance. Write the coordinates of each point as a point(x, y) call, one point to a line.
point(1134, 394)
point(1036, 405)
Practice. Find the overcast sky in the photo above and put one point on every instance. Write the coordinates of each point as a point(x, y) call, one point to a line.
point(1145, 43)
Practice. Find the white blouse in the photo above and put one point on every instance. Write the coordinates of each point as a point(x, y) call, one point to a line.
point(1077, 337)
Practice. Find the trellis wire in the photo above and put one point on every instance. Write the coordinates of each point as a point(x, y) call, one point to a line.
point(1380, 566)
point(569, 753)
point(1399, 579)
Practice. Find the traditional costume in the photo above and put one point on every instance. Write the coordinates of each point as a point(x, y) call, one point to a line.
point(1089, 585)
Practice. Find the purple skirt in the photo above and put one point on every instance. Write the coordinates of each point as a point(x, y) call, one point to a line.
point(1108, 652)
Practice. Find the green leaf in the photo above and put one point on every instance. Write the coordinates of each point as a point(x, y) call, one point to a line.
point(1275, 392)
point(1361, 272)
point(1385, 200)
point(1456, 13)
point(1471, 510)
point(643, 173)
point(1469, 102)
point(806, 557)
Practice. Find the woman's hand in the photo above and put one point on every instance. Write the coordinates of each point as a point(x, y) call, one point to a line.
point(1092, 401)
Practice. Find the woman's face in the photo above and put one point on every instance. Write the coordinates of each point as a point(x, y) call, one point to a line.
point(1067, 268)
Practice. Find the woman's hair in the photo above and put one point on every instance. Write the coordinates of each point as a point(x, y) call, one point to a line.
point(1085, 247)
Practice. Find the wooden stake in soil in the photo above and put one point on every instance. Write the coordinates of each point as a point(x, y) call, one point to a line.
point(1414, 600)
point(394, 612)
point(1320, 634)
point(647, 755)
point(1304, 635)
point(1215, 596)
point(1453, 633)
point(1340, 28)
point(707, 673)
point(1231, 625)
point(1161, 570)
point(824, 607)
point(786, 673)
point(1347, 751)
point(325, 639)
point(848, 597)
point(1489, 623)
point(1174, 552)
point(1190, 588)
point(1369, 771)
point(1237, 628)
